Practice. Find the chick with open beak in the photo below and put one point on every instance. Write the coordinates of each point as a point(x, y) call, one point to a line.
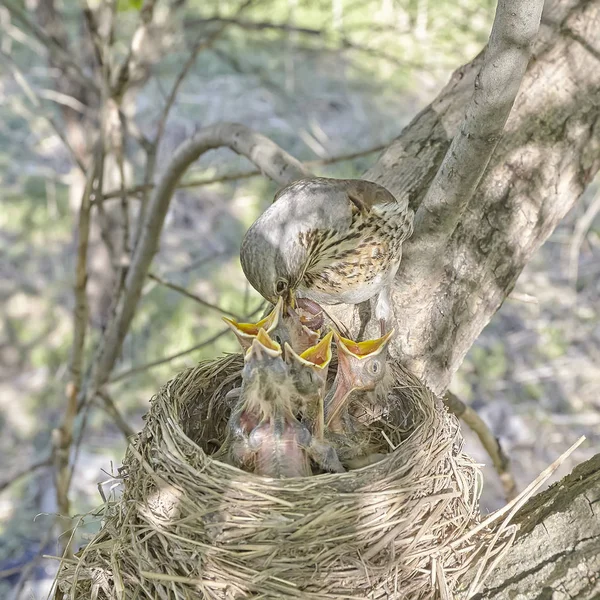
point(247, 332)
point(267, 438)
point(309, 374)
point(361, 366)
point(299, 328)
point(265, 384)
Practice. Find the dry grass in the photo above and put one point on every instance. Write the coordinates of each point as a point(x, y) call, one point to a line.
point(189, 526)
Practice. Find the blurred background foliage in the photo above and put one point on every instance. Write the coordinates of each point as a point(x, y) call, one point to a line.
point(325, 79)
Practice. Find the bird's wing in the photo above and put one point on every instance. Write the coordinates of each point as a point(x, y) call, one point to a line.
point(366, 194)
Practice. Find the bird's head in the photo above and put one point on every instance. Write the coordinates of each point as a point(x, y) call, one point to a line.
point(310, 368)
point(363, 363)
point(278, 246)
point(273, 266)
point(263, 363)
point(246, 332)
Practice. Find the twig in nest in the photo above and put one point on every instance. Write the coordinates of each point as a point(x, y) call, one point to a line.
point(490, 443)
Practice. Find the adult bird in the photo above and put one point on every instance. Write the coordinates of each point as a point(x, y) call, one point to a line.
point(333, 241)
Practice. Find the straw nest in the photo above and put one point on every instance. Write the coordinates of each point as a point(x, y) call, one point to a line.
point(189, 526)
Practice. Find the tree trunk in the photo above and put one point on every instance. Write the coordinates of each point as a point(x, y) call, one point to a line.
point(556, 554)
point(549, 153)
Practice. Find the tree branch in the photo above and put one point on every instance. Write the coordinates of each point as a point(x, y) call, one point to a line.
point(162, 121)
point(505, 60)
point(272, 160)
point(449, 285)
point(556, 548)
point(254, 25)
point(489, 442)
point(119, 420)
point(34, 99)
point(34, 466)
point(194, 348)
point(58, 54)
point(192, 183)
point(123, 77)
point(62, 437)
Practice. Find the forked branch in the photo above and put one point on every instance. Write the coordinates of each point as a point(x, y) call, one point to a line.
point(505, 60)
point(265, 154)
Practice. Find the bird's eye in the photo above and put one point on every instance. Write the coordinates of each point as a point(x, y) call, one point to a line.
point(281, 286)
point(374, 367)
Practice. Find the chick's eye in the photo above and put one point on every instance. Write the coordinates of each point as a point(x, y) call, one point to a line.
point(374, 367)
point(281, 286)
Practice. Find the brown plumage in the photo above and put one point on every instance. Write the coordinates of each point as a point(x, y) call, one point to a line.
point(331, 240)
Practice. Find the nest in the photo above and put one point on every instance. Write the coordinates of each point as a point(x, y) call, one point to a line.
point(190, 526)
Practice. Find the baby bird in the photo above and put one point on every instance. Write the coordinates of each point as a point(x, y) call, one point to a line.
point(361, 366)
point(309, 374)
point(247, 332)
point(267, 438)
point(266, 385)
point(290, 326)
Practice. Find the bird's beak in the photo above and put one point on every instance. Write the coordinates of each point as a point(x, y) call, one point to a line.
point(319, 355)
point(262, 349)
point(247, 332)
point(362, 350)
point(316, 357)
point(350, 373)
point(290, 298)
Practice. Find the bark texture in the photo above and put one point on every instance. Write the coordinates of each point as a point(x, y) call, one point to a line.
point(549, 153)
point(556, 555)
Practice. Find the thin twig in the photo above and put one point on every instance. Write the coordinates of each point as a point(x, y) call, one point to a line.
point(27, 470)
point(522, 297)
point(58, 54)
point(254, 25)
point(191, 295)
point(490, 442)
point(270, 158)
point(62, 436)
point(162, 121)
point(123, 76)
point(246, 174)
point(28, 568)
point(582, 226)
point(35, 100)
point(119, 420)
point(166, 359)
